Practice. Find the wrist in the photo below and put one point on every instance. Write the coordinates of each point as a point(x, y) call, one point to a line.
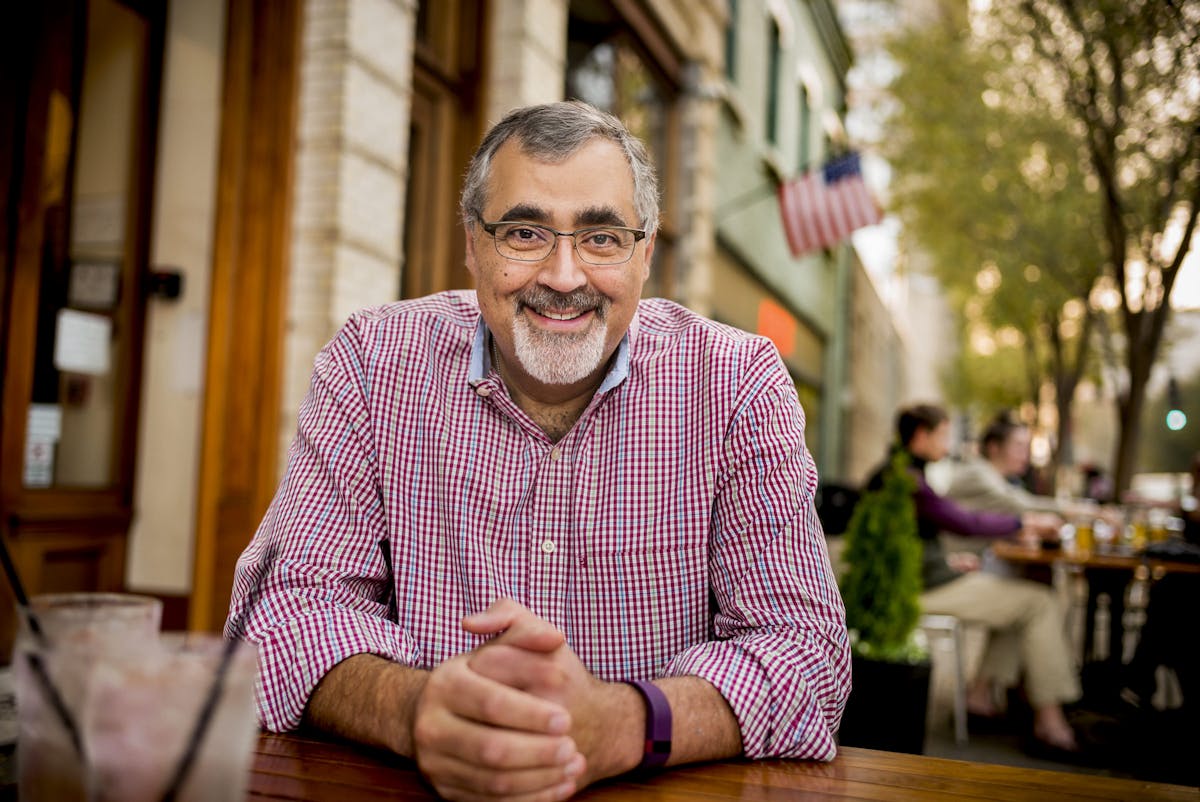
point(620, 737)
point(656, 746)
point(403, 714)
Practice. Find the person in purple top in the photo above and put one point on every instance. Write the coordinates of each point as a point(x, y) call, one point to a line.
point(1024, 619)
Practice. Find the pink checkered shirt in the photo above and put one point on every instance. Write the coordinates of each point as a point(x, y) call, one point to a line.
point(670, 532)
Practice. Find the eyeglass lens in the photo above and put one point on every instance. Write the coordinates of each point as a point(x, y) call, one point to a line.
point(532, 243)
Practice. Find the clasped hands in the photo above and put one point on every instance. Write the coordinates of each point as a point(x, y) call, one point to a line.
point(519, 718)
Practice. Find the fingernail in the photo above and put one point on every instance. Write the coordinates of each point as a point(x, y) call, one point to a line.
point(559, 722)
point(565, 790)
point(565, 750)
point(575, 767)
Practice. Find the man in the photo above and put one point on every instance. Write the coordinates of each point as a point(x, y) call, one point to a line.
point(575, 490)
point(1024, 618)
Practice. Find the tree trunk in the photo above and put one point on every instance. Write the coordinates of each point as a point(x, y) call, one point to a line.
point(1143, 333)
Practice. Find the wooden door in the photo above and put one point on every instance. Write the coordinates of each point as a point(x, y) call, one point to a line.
point(79, 103)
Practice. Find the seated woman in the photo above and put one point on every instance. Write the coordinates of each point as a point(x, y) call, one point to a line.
point(988, 482)
point(1024, 618)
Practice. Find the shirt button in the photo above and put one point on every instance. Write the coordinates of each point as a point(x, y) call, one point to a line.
point(483, 391)
point(555, 454)
point(548, 546)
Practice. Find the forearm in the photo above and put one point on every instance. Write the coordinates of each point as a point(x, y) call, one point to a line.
point(703, 725)
point(368, 699)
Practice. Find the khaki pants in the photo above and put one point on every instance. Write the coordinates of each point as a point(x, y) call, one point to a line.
point(1026, 627)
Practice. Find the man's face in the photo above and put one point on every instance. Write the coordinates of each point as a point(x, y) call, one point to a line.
point(933, 444)
point(558, 320)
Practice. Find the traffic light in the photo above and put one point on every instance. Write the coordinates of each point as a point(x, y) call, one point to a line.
point(1176, 419)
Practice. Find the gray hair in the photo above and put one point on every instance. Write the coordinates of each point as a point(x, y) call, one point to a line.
point(553, 132)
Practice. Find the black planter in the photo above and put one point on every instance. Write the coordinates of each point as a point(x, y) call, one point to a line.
point(887, 705)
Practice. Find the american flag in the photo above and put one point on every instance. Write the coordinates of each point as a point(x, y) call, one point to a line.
point(822, 207)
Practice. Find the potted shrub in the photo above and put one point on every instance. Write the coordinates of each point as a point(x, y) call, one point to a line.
point(881, 588)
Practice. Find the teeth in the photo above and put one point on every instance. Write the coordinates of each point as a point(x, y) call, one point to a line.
point(560, 315)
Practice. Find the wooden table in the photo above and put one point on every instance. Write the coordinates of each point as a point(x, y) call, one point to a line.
point(1107, 572)
point(291, 767)
point(1011, 551)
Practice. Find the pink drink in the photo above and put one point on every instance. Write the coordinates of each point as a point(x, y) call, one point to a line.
point(142, 708)
point(80, 628)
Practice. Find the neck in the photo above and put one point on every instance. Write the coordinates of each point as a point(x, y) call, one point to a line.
point(553, 407)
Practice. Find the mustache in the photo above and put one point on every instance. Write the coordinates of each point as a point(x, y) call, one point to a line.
point(554, 301)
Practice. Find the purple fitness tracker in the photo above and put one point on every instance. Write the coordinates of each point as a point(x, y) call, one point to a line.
point(658, 725)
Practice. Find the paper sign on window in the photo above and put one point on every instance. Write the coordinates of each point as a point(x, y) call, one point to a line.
point(81, 343)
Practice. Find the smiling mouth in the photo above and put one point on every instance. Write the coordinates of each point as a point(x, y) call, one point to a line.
point(556, 315)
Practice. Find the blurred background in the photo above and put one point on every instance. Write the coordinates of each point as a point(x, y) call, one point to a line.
point(199, 192)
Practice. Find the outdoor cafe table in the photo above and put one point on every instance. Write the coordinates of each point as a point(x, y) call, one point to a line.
point(305, 769)
point(1106, 572)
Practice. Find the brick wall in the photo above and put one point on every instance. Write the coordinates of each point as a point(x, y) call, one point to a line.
point(355, 96)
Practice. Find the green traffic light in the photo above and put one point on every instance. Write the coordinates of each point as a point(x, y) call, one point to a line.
point(1176, 420)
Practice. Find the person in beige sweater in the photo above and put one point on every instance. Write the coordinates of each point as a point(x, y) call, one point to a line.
point(985, 482)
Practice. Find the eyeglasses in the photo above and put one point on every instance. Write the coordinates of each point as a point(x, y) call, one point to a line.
point(596, 245)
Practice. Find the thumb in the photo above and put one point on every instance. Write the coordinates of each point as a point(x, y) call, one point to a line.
point(516, 625)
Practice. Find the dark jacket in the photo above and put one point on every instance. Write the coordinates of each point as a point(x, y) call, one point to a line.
point(937, 514)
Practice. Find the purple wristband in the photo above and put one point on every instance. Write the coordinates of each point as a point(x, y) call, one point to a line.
point(658, 724)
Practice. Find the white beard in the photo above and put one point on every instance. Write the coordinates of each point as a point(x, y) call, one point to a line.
point(559, 358)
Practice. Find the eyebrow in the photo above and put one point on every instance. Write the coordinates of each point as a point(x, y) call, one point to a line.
point(526, 211)
point(591, 216)
point(599, 216)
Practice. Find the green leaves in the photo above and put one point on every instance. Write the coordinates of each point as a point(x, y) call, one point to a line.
point(882, 584)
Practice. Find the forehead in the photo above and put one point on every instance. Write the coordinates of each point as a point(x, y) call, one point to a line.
point(596, 176)
point(1018, 435)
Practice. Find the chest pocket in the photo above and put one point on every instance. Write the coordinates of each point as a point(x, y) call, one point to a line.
point(640, 608)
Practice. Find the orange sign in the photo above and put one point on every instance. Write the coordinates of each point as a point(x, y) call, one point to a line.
point(777, 325)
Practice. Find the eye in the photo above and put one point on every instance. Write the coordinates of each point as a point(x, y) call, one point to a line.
point(602, 239)
point(519, 236)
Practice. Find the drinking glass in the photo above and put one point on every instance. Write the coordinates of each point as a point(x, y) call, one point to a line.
point(142, 714)
point(51, 676)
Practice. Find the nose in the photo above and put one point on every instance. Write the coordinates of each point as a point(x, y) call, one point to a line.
point(562, 270)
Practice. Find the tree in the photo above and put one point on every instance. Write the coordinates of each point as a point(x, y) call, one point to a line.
point(1126, 74)
point(1103, 95)
point(996, 196)
point(882, 583)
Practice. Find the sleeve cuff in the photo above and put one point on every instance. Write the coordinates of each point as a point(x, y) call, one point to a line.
point(296, 655)
point(778, 705)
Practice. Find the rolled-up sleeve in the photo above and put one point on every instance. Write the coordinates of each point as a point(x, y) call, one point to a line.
point(780, 654)
point(311, 588)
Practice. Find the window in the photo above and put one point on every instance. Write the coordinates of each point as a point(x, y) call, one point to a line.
point(772, 116)
point(805, 122)
point(731, 41)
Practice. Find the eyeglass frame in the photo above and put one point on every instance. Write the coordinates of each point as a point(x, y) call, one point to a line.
point(639, 234)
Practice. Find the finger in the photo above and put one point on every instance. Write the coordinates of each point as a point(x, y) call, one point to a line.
point(518, 668)
point(499, 615)
point(470, 695)
point(519, 625)
point(488, 748)
point(457, 779)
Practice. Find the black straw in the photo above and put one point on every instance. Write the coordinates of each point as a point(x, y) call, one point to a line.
point(18, 589)
point(202, 722)
point(35, 660)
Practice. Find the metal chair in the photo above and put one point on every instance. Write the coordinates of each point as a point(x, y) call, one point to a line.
point(946, 632)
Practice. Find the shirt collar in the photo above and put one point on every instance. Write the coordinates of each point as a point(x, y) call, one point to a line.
point(481, 358)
